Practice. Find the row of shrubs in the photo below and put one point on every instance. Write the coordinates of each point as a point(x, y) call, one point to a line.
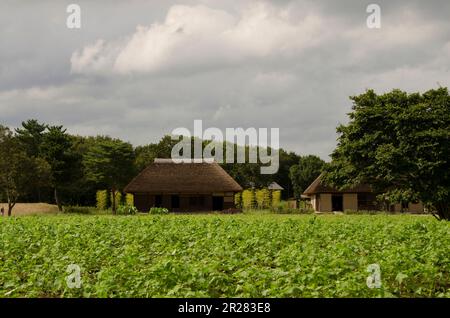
point(249, 199)
point(123, 209)
point(131, 209)
point(265, 199)
point(257, 199)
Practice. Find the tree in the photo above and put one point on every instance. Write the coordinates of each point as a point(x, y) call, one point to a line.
point(31, 135)
point(305, 172)
point(247, 174)
point(283, 176)
point(110, 162)
point(145, 155)
point(57, 150)
point(17, 169)
point(398, 143)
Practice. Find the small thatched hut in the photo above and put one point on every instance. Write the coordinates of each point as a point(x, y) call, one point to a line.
point(183, 187)
point(327, 199)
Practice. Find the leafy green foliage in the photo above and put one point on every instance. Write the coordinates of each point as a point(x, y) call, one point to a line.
point(157, 210)
point(263, 198)
point(81, 209)
point(400, 144)
point(56, 149)
point(257, 199)
point(129, 199)
point(305, 172)
point(224, 256)
point(102, 199)
point(54, 146)
point(276, 197)
point(283, 208)
point(31, 136)
point(126, 209)
point(110, 162)
point(238, 200)
point(248, 199)
point(248, 174)
point(19, 172)
point(145, 155)
point(117, 198)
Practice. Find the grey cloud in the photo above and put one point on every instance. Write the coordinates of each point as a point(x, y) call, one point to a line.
point(304, 93)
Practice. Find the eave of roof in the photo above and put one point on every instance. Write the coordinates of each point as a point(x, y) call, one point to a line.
point(317, 186)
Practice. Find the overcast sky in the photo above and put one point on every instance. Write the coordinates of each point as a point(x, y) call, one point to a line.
point(138, 69)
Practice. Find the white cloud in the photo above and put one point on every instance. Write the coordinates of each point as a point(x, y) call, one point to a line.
point(198, 36)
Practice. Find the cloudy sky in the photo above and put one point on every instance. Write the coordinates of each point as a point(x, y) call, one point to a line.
point(138, 69)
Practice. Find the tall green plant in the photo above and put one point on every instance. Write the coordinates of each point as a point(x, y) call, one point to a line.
point(129, 199)
point(117, 198)
point(238, 200)
point(102, 199)
point(248, 199)
point(276, 198)
point(262, 198)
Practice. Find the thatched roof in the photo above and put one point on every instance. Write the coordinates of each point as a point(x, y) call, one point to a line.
point(165, 176)
point(318, 186)
point(275, 186)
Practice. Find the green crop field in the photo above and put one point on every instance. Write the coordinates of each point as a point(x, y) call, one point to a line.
point(224, 256)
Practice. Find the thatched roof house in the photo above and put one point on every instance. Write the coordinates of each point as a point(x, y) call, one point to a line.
point(183, 187)
point(325, 198)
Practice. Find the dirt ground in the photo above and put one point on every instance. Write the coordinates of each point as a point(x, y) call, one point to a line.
point(30, 209)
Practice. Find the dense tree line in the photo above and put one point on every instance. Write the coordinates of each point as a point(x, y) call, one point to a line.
point(399, 143)
point(43, 163)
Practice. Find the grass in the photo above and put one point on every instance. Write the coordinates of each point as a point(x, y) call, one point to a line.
point(245, 255)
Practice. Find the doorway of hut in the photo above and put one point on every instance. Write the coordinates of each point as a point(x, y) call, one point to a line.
point(337, 202)
point(217, 203)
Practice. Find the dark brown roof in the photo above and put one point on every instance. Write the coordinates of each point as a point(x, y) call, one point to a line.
point(318, 186)
point(164, 176)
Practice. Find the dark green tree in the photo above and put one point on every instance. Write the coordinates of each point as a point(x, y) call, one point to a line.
point(400, 144)
point(282, 177)
point(57, 150)
point(18, 171)
point(305, 172)
point(110, 162)
point(145, 155)
point(81, 191)
point(31, 135)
